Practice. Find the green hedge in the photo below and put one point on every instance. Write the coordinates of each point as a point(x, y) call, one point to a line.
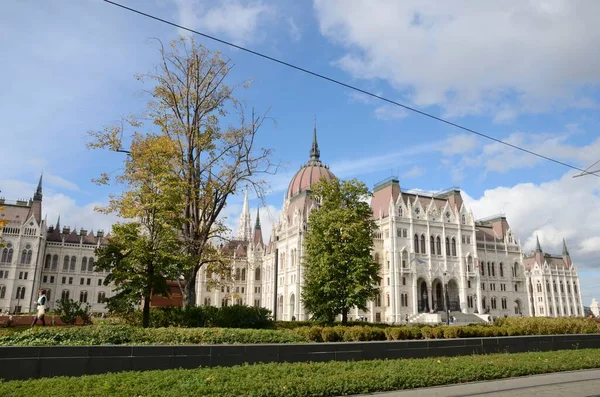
point(309, 379)
point(120, 334)
point(106, 333)
point(236, 316)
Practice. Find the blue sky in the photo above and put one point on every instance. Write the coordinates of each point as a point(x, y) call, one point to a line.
point(524, 72)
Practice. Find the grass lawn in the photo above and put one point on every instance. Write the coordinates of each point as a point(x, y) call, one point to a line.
point(309, 379)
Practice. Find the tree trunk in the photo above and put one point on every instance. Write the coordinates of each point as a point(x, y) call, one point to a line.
point(344, 316)
point(146, 310)
point(189, 290)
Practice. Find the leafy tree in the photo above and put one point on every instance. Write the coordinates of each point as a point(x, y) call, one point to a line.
point(340, 272)
point(144, 252)
point(69, 310)
point(211, 162)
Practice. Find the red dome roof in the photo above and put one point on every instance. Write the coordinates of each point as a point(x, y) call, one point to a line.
point(311, 172)
point(308, 175)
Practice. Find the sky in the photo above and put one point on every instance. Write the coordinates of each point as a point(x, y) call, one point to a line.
point(526, 72)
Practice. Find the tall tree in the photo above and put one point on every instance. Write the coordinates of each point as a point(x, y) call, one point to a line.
point(340, 272)
point(144, 252)
point(188, 102)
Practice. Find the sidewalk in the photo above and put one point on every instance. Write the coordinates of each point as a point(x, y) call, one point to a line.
point(573, 384)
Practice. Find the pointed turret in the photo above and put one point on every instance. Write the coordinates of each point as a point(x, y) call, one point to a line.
point(315, 153)
point(257, 230)
point(57, 223)
point(245, 230)
point(38, 192)
point(565, 250)
point(538, 247)
point(36, 203)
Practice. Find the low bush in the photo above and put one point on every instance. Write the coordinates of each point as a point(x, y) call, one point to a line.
point(237, 316)
point(309, 379)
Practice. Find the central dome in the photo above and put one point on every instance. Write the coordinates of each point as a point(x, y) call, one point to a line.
point(311, 172)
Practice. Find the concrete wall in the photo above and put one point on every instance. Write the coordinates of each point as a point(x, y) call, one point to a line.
point(37, 362)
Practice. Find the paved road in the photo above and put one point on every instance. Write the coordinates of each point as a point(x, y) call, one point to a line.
point(563, 384)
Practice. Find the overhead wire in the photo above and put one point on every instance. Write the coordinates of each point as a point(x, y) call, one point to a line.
point(346, 85)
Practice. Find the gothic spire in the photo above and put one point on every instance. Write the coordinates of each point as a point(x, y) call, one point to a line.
point(257, 224)
point(538, 247)
point(38, 192)
point(315, 154)
point(565, 250)
point(244, 231)
point(58, 223)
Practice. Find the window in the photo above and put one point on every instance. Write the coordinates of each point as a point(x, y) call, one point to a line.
point(416, 243)
point(468, 240)
point(431, 245)
point(388, 281)
point(447, 246)
point(403, 280)
point(257, 274)
point(539, 287)
point(516, 290)
point(483, 302)
point(207, 301)
point(468, 283)
point(470, 301)
point(237, 290)
point(73, 263)
point(84, 264)
point(483, 286)
point(66, 263)
point(257, 290)
point(70, 280)
point(515, 269)
point(48, 261)
point(224, 302)
point(562, 288)
point(52, 279)
point(504, 304)
point(493, 301)
point(482, 268)
point(64, 296)
point(2, 291)
point(99, 281)
point(81, 281)
point(453, 246)
point(89, 281)
point(83, 296)
point(256, 302)
point(20, 293)
point(575, 290)
point(423, 244)
point(554, 285)
point(493, 269)
point(378, 300)
point(45, 279)
point(243, 274)
point(404, 233)
point(91, 265)
point(101, 296)
point(547, 286)
point(501, 270)
point(438, 245)
point(400, 211)
point(464, 219)
point(387, 300)
point(54, 262)
point(26, 255)
point(237, 274)
point(26, 273)
point(64, 280)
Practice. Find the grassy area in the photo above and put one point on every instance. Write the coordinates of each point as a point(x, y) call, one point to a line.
point(309, 379)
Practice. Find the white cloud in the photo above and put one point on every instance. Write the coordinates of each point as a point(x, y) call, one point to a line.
point(471, 57)
point(390, 112)
point(76, 215)
point(414, 172)
point(458, 144)
point(58, 181)
point(295, 33)
point(563, 208)
point(238, 20)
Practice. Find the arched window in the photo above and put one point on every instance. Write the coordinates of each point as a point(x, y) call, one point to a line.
point(431, 245)
point(101, 296)
point(257, 274)
point(29, 254)
point(554, 286)
point(2, 292)
point(224, 302)
point(64, 296)
point(243, 274)
point(438, 245)
point(482, 268)
point(547, 286)
point(378, 300)
point(26, 255)
point(515, 270)
point(20, 293)
point(54, 262)
point(562, 288)
point(493, 269)
point(501, 270)
point(493, 301)
point(504, 305)
point(207, 301)
point(66, 263)
point(90, 264)
point(447, 246)
point(400, 211)
point(237, 274)
point(416, 243)
point(483, 302)
point(469, 264)
point(4, 258)
point(83, 295)
point(489, 269)
point(453, 246)
point(84, 264)
point(464, 219)
point(73, 263)
point(48, 261)
point(539, 287)
point(568, 287)
point(575, 289)
point(423, 244)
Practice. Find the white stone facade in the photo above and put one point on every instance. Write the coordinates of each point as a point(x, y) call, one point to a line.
point(36, 256)
point(427, 245)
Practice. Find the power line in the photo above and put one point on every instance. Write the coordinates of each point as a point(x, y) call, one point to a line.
point(354, 88)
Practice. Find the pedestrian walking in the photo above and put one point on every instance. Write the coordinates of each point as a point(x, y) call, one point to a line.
point(40, 309)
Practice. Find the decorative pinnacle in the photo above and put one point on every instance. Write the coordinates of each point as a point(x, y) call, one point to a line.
point(315, 154)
